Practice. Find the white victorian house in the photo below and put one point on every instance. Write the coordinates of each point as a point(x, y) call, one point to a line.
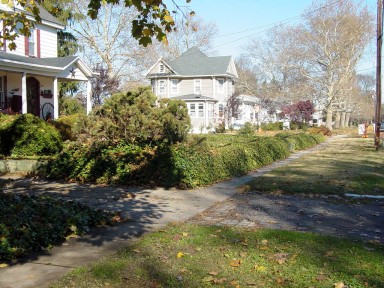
point(203, 82)
point(30, 74)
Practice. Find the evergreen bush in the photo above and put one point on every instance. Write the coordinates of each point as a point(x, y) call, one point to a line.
point(27, 135)
point(201, 161)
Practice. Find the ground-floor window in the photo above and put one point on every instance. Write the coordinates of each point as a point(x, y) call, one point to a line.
point(196, 110)
point(201, 110)
point(192, 109)
point(221, 110)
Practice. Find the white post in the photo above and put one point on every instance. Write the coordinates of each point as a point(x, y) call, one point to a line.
point(24, 109)
point(206, 114)
point(89, 93)
point(55, 100)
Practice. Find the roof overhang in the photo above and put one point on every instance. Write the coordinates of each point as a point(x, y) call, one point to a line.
point(66, 70)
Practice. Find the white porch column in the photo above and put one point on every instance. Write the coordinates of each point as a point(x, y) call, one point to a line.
point(206, 114)
point(89, 94)
point(55, 100)
point(24, 109)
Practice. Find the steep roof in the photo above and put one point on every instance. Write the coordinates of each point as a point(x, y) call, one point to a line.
point(195, 63)
point(45, 16)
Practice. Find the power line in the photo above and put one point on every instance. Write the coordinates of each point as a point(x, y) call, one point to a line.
point(273, 25)
point(281, 22)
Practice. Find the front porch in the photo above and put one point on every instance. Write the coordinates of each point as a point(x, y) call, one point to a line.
point(30, 85)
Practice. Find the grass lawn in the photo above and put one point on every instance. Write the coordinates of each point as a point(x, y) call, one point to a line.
point(199, 256)
point(346, 165)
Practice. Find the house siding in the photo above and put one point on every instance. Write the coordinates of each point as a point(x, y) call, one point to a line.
point(48, 42)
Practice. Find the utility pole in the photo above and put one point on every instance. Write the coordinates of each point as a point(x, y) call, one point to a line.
point(378, 72)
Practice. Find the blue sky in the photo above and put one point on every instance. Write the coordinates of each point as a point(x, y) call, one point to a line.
point(234, 16)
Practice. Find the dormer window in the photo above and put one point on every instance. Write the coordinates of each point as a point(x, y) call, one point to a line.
point(161, 68)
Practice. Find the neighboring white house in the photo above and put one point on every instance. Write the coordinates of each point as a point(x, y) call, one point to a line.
point(203, 82)
point(30, 74)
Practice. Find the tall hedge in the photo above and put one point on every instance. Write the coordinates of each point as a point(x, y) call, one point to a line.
point(185, 165)
point(27, 135)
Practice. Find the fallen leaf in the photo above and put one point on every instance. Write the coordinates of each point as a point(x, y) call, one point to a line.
point(235, 263)
point(183, 270)
point(185, 234)
point(136, 250)
point(321, 277)
point(264, 242)
point(208, 279)
point(3, 265)
point(339, 285)
point(180, 254)
point(260, 268)
point(198, 249)
point(281, 258)
point(213, 273)
point(234, 282)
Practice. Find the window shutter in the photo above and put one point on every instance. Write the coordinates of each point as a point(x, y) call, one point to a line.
point(26, 44)
point(38, 42)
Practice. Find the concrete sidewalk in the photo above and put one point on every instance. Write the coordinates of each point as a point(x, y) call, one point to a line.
point(145, 209)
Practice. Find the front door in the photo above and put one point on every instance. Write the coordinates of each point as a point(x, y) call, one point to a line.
point(33, 96)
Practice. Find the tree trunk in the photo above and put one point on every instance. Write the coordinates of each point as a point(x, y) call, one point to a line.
point(347, 117)
point(342, 120)
point(328, 120)
point(337, 120)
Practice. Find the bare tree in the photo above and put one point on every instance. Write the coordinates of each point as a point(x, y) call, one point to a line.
point(331, 42)
point(316, 59)
point(190, 31)
point(107, 40)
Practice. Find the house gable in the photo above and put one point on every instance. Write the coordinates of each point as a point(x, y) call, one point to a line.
point(160, 68)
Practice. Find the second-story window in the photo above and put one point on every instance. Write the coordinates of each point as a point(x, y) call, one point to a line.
point(174, 86)
point(32, 43)
point(161, 68)
point(161, 87)
point(220, 85)
point(197, 86)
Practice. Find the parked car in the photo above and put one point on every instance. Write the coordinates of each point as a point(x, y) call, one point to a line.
point(382, 127)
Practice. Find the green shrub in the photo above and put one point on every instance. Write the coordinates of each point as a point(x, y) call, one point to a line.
point(41, 222)
point(70, 106)
point(300, 141)
point(135, 118)
point(27, 135)
point(272, 126)
point(247, 129)
point(220, 128)
point(203, 160)
point(69, 126)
